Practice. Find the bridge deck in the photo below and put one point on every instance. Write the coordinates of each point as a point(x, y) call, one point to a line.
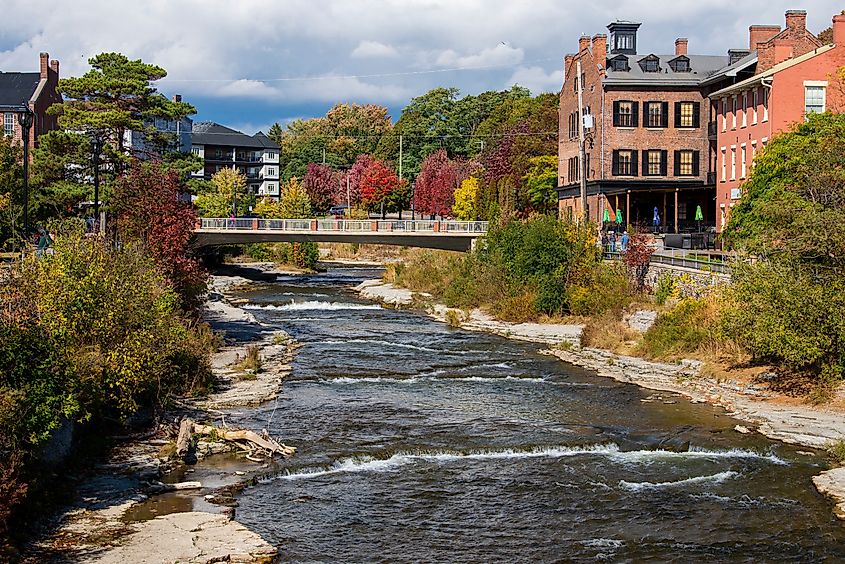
point(447, 235)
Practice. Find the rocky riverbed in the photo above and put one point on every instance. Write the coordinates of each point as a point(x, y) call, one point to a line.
point(122, 514)
point(813, 427)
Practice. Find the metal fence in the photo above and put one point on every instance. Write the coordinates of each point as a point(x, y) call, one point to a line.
point(345, 225)
point(680, 259)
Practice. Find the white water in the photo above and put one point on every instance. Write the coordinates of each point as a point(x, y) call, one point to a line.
point(313, 306)
point(713, 478)
point(611, 451)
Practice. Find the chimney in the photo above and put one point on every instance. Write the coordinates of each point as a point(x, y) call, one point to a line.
point(681, 45)
point(583, 43)
point(735, 55)
point(600, 49)
point(783, 50)
point(54, 65)
point(839, 30)
point(760, 34)
point(796, 20)
point(45, 64)
point(177, 97)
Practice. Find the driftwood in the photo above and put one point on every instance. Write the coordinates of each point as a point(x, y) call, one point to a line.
point(250, 439)
point(254, 444)
point(159, 487)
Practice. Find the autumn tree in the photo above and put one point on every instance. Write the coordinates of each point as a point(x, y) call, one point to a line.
point(466, 200)
point(436, 183)
point(218, 198)
point(11, 190)
point(294, 202)
point(322, 185)
point(147, 207)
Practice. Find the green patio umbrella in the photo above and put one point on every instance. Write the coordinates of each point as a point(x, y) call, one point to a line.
point(618, 216)
point(606, 218)
point(699, 217)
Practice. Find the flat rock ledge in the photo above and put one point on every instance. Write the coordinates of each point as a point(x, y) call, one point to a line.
point(194, 537)
point(389, 294)
point(832, 484)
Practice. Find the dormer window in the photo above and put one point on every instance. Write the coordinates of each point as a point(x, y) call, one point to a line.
point(623, 37)
point(619, 63)
point(680, 64)
point(650, 64)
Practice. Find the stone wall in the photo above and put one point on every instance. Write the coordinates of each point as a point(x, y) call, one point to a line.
point(690, 281)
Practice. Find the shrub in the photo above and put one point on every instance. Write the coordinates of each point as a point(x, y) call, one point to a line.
point(790, 315)
point(664, 288)
point(453, 318)
point(597, 289)
point(517, 309)
point(692, 324)
point(837, 451)
point(252, 360)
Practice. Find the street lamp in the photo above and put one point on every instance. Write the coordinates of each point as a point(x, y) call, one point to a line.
point(25, 119)
point(96, 147)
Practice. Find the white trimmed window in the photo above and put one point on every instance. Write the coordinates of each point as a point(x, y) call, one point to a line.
point(814, 97)
point(755, 101)
point(733, 162)
point(765, 104)
point(743, 161)
point(733, 112)
point(9, 124)
point(724, 164)
point(745, 109)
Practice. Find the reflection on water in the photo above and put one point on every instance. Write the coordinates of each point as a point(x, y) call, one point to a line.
point(419, 442)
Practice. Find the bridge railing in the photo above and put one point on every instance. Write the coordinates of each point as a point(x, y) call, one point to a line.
point(344, 225)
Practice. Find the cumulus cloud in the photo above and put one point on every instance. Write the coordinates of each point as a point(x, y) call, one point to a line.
point(537, 80)
point(381, 51)
point(374, 50)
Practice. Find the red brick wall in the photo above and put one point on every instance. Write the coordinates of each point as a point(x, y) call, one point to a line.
point(793, 41)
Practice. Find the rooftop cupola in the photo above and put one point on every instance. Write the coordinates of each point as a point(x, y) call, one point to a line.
point(623, 37)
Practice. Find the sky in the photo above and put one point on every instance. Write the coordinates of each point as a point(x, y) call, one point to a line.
point(250, 63)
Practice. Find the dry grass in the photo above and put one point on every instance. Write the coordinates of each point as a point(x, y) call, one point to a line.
point(609, 332)
point(370, 253)
point(251, 362)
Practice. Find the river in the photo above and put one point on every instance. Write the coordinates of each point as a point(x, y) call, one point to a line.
point(418, 442)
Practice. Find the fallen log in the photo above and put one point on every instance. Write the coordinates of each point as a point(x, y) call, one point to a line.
point(253, 439)
point(183, 439)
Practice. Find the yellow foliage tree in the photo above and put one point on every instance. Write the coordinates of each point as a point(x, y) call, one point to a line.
point(466, 200)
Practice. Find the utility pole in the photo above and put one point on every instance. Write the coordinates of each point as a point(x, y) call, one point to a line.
point(400, 173)
point(582, 150)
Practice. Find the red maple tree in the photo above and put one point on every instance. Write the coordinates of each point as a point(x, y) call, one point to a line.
point(434, 193)
point(377, 182)
point(148, 207)
point(323, 186)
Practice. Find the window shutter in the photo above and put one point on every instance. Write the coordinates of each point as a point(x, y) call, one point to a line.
point(635, 114)
point(615, 166)
point(677, 163)
point(695, 163)
point(615, 114)
point(664, 156)
point(634, 162)
point(664, 114)
point(696, 115)
point(677, 115)
point(645, 163)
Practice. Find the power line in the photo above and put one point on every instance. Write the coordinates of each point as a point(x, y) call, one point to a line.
point(353, 76)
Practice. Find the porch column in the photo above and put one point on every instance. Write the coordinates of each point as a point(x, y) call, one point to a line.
point(627, 209)
point(676, 210)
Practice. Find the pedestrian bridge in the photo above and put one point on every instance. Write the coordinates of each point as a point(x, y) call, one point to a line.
point(445, 235)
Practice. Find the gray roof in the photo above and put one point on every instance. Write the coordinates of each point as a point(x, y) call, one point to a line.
point(16, 88)
point(210, 133)
point(701, 67)
point(734, 69)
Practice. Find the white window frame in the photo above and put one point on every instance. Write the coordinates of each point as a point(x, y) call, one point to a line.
point(724, 114)
point(724, 164)
point(753, 153)
point(743, 160)
point(733, 162)
point(755, 101)
point(816, 84)
point(765, 104)
point(733, 111)
point(745, 109)
point(9, 124)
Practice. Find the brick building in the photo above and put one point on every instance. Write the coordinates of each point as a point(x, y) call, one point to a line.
point(221, 147)
point(649, 145)
point(789, 74)
point(33, 90)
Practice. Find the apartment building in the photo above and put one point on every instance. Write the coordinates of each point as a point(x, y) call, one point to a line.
point(221, 147)
point(648, 147)
point(788, 75)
